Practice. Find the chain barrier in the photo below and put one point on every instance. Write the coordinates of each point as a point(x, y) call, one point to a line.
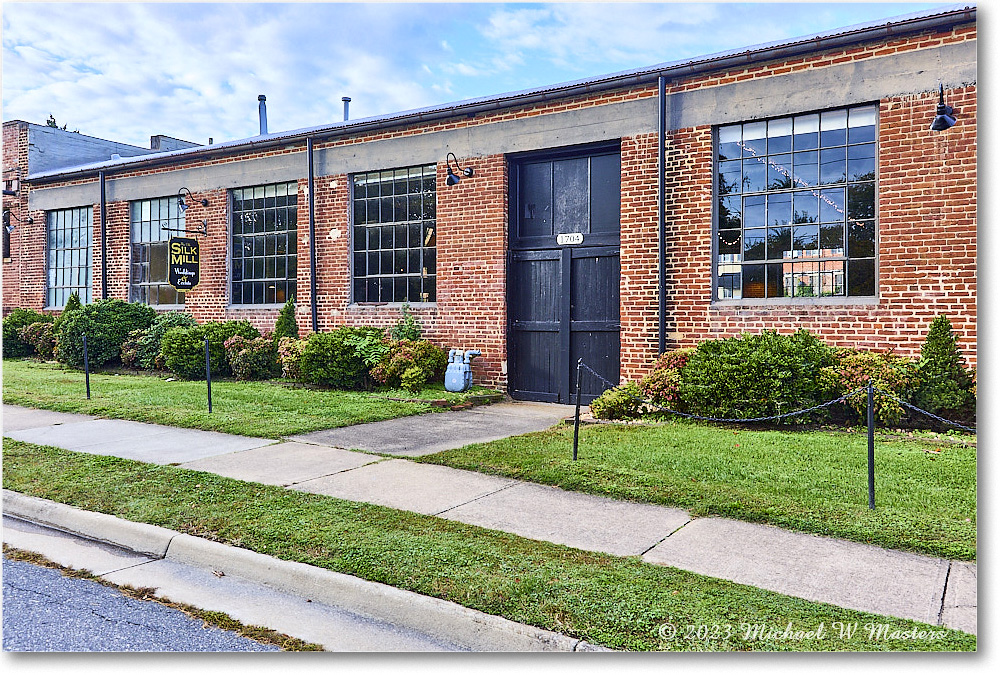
point(726, 419)
point(924, 412)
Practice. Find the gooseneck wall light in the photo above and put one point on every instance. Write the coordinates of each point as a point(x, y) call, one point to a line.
point(453, 178)
point(944, 117)
point(186, 200)
point(184, 204)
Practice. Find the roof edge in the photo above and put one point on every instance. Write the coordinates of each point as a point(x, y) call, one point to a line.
point(745, 56)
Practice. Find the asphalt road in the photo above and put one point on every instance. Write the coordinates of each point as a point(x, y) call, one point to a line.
point(46, 611)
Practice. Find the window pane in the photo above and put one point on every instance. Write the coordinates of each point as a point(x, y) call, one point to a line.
point(754, 212)
point(805, 207)
point(754, 281)
point(754, 139)
point(806, 130)
point(833, 128)
point(779, 209)
point(730, 177)
point(754, 244)
point(861, 239)
point(754, 174)
point(861, 277)
point(729, 142)
point(832, 165)
point(779, 172)
point(831, 205)
point(861, 162)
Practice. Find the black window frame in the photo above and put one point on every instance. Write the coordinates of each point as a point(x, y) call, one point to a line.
point(84, 256)
point(265, 243)
point(370, 205)
point(858, 257)
point(154, 235)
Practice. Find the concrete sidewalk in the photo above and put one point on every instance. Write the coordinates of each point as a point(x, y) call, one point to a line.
point(844, 573)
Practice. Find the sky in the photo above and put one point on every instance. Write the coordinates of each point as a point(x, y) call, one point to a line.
point(127, 71)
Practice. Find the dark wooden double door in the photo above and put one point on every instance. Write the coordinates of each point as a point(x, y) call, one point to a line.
point(563, 297)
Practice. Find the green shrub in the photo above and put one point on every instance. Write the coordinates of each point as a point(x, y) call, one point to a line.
point(407, 327)
point(338, 359)
point(623, 402)
point(402, 355)
point(72, 304)
point(944, 384)
point(183, 351)
point(40, 336)
point(251, 359)
point(13, 346)
point(130, 348)
point(756, 376)
point(852, 369)
point(106, 324)
point(286, 325)
point(148, 346)
point(290, 357)
point(413, 379)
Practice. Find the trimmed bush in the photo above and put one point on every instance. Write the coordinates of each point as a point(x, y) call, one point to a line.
point(944, 384)
point(407, 327)
point(756, 376)
point(183, 351)
point(623, 402)
point(13, 346)
point(251, 359)
point(286, 325)
point(106, 323)
point(148, 346)
point(404, 355)
point(72, 304)
point(338, 359)
point(853, 369)
point(290, 357)
point(41, 336)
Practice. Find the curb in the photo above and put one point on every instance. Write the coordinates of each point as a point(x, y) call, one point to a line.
point(441, 619)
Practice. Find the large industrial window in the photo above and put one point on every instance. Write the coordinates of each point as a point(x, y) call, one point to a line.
point(796, 206)
point(151, 222)
point(69, 255)
point(395, 235)
point(264, 260)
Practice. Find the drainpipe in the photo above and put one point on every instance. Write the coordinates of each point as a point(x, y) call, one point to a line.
point(312, 237)
point(661, 210)
point(104, 241)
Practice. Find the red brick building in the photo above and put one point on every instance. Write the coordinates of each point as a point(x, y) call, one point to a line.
point(800, 183)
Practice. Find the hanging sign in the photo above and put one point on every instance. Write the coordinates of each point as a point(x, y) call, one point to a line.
point(569, 239)
point(183, 263)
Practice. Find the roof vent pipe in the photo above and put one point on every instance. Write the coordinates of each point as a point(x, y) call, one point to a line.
point(347, 103)
point(262, 108)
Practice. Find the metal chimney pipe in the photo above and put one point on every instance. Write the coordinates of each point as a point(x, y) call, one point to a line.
point(262, 108)
point(347, 103)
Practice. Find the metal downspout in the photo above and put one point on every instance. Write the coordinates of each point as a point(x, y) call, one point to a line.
point(312, 237)
point(661, 210)
point(104, 241)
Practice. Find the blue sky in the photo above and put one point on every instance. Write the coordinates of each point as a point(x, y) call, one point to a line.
point(127, 71)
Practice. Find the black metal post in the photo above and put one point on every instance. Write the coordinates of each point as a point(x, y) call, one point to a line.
point(871, 445)
point(311, 185)
point(104, 240)
point(208, 374)
point(576, 423)
point(86, 364)
point(661, 212)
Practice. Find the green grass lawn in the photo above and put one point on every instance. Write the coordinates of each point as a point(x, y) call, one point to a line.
point(261, 409)
point(812, 481)
point(613, 601)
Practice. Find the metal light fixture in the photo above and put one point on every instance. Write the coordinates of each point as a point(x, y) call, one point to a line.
point(453, 178)
point(9, 226)
point(945, 118)
point(183, 204)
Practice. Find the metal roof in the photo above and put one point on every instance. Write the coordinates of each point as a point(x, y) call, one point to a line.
point(742, 57)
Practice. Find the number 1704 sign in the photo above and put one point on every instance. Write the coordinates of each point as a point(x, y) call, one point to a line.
point(183, 263)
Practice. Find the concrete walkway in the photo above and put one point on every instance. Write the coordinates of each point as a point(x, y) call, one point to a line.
point(844, 573)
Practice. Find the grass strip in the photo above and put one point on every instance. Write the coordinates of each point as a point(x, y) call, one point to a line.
point(622, 603)
point(221, 620)
point(258, 409)
point(810, 481)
